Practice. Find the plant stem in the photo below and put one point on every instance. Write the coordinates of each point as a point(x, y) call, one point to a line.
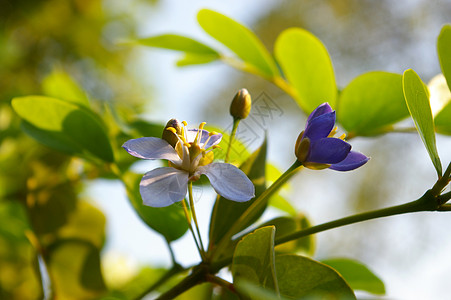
point(188, 219)
point(195, 278)
point(232, 136)
point(176, 268)
point(252, 210)
point(191, 204)
point(221, 282)
point(426, 203)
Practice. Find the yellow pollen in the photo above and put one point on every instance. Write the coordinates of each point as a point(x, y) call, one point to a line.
point(201, 126)
point(216, 147)
point(212, 133)
point(184, 123)
point(172, 129)
point(342, 137)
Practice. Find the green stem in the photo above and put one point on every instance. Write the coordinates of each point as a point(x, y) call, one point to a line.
point(171, 252)
point(427, 202)
point(196, 277)
point(255, 207)
point(221, 282)
point(191, 204)
point(190, 226)
point(170, 273)
point(232, 136)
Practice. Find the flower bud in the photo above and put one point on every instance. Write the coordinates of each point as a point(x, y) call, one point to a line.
point(168, 135)
point(241, 105)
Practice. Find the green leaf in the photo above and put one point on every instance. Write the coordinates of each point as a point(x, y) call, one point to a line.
point(169, 221)
point(178, 43)
point(357, 275)
point(257, 292)
point(371, 102)
point(238, 38)
point(59, 84)
point(444, 50)
point(307, 67)
point(253, 260)
point(238, 152)
point(417, 99)
point(75, 270)
point(301, 277)
point(227, 211)
point(195, 59)
point(278, 201)
point(64, 126)
point(288, 225)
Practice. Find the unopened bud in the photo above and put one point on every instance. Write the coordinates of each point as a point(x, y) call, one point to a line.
point(302, 147)
point(169, 135)
point(241, 104)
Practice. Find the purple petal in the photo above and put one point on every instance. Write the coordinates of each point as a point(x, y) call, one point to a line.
point(228, 181)
point(163, 186)
point(151, 148)
point(192, 133)
point(351, 162)
point(320, 127)
point(214, 140)
point(328, 151)
point(320, 110)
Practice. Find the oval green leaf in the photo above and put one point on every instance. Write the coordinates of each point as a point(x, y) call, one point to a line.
point(371, 102)
point(306, 65)
point(59, 84)
point(253, 260)
point(301, 277)
point(178, 43)
point(169, 221)
point(444, 50)
point(64, 126)
point(416, 95)
point(357, 275)
point(238, 38)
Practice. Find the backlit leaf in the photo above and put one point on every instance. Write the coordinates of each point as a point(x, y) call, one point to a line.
point(59, 84)
point(444, 50)
point(178, 43)
point(417, 98)
point(64, 126)
point(238, 38)
point(307, 67)
point(253, 260)
point(303, 278)
point(371, 102)
point(357, 275)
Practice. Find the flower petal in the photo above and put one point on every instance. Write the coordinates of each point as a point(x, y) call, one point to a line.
point(228, 181)
point(320, 110)
point(328, 151)
point(351, 162)
point(320, 127)
point(151, 148)
point(163, 186)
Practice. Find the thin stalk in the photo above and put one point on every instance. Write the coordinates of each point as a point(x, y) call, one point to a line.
point(232, 136)
point(171, 252)
point(191, 204)
point(221, 282)
point(252, 210)
point(176, 268)
point(426, 203)
point(188, 219)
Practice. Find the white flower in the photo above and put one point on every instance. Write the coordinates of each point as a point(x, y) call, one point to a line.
point(188, 160)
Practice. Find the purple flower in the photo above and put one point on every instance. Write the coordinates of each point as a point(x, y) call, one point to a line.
point(188, 160)
point(316, 148)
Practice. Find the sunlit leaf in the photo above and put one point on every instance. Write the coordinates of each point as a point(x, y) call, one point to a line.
point(253, 259)
point(307, 67)
point(417, 99)
point(169, 221)
point(195, 59)
point(64, 126)
point(444, 50)
point(238, 38)
point(75, 269)
point(59, 84)
point(178, 43)
point(257, 291)
point(288, 225)
point(277, 200)
point(227, 211)
point(357, 275)
point(303, 278)
point(86, 222)
point(371, 102)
